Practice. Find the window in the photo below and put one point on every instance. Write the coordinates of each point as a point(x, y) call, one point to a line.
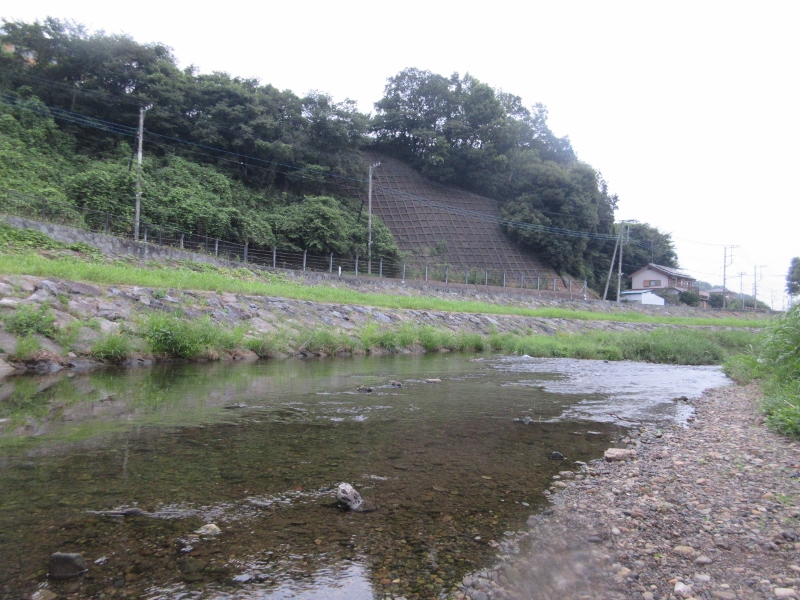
point(652, 283)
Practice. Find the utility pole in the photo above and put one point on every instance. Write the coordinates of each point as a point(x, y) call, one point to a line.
point(611, 266)
point(142, 110)
point(741, 288)
point(725, 266)
point(755, 284)
point(369, 218)
point(622, 242)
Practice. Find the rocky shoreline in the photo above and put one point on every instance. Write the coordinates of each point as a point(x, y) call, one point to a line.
point(109, 309)
point(708, 512)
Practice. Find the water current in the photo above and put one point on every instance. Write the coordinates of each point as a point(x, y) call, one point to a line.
point(124, 467)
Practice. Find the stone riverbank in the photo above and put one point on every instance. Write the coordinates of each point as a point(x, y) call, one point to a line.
point(708, 512)
point(102, 310)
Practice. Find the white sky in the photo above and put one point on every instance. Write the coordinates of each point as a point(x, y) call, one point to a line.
point(688, 108)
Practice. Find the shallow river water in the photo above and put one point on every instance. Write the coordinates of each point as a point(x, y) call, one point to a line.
point(124, 466)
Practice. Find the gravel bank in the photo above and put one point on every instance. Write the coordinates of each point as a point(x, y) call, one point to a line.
point(708, 511)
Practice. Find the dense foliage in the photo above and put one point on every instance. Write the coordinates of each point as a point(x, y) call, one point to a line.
point(459, 130)
point(225, 157)
point(793, 278)
point(776, 362)
point(232, 158)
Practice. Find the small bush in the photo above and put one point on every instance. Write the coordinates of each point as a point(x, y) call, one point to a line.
point(114, 347)
point(29, 319)
point(26, 347)
point(782, 405)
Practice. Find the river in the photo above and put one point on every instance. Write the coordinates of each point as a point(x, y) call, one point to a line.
point(451, 453)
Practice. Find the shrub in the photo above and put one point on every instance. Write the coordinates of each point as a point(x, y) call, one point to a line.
point(689, 298)
point(26, 347)
point(114, 347)
point(29, 319)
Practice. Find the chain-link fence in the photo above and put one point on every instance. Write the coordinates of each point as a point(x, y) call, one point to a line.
point(428, 270)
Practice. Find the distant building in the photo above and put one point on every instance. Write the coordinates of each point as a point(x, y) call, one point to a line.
point(642, 297)
point(665, 279)
point(728, 293)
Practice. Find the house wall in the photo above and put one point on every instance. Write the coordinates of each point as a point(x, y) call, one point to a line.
point(648, 275)
point(652, 279)
point(645, 298)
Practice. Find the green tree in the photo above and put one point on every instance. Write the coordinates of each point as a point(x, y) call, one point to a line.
point(793, 278)
point(321, 224)
point(689, 298)
point(648, 245)
point(460, 131)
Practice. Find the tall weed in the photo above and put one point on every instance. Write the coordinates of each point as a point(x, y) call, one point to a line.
point(173, 336)
point(780, 356)
point(113, 347)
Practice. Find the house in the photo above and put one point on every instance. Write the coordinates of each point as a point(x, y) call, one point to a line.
point(641, 297)
point(728, 293)
point(666, 279)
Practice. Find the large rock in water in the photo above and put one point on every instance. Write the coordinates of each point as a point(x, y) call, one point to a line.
point(347, 495)
point(65, 565)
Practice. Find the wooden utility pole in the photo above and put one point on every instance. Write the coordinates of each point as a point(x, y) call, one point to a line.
point(369, 219)
point(142, 110)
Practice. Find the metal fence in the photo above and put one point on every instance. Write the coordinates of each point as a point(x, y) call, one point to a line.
point(427, 270)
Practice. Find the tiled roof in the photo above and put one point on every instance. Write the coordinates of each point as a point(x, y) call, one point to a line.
point(670, 271)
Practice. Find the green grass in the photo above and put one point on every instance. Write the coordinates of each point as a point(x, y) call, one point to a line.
point(248, 282)
point(67, 336)
point(30, 319)
point(171, 335)
point(27, 346)
point(113, 347)
point(669, 346)
point(780, 354)
point(775, 364)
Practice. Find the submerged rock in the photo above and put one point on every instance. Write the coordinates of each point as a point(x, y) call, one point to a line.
point(347, 495)
point(66, 565)
point(208, 529)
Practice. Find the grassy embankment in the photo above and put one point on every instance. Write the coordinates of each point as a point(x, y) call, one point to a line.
point(775, 363)
point(32, 253)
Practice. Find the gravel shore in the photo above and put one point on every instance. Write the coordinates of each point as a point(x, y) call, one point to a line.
point(708, 511)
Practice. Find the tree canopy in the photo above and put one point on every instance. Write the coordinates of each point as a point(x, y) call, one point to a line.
point(461, 131)
point(793, 278)
point(232, 157)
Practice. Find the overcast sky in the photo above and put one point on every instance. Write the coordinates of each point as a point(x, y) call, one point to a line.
point(689, 109)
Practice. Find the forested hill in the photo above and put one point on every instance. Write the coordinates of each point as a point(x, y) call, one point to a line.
point(237, 159)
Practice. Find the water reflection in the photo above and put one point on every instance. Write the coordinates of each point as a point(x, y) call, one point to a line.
point(125, 467)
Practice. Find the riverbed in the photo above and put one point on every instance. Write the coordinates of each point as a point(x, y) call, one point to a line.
point(450, 452)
